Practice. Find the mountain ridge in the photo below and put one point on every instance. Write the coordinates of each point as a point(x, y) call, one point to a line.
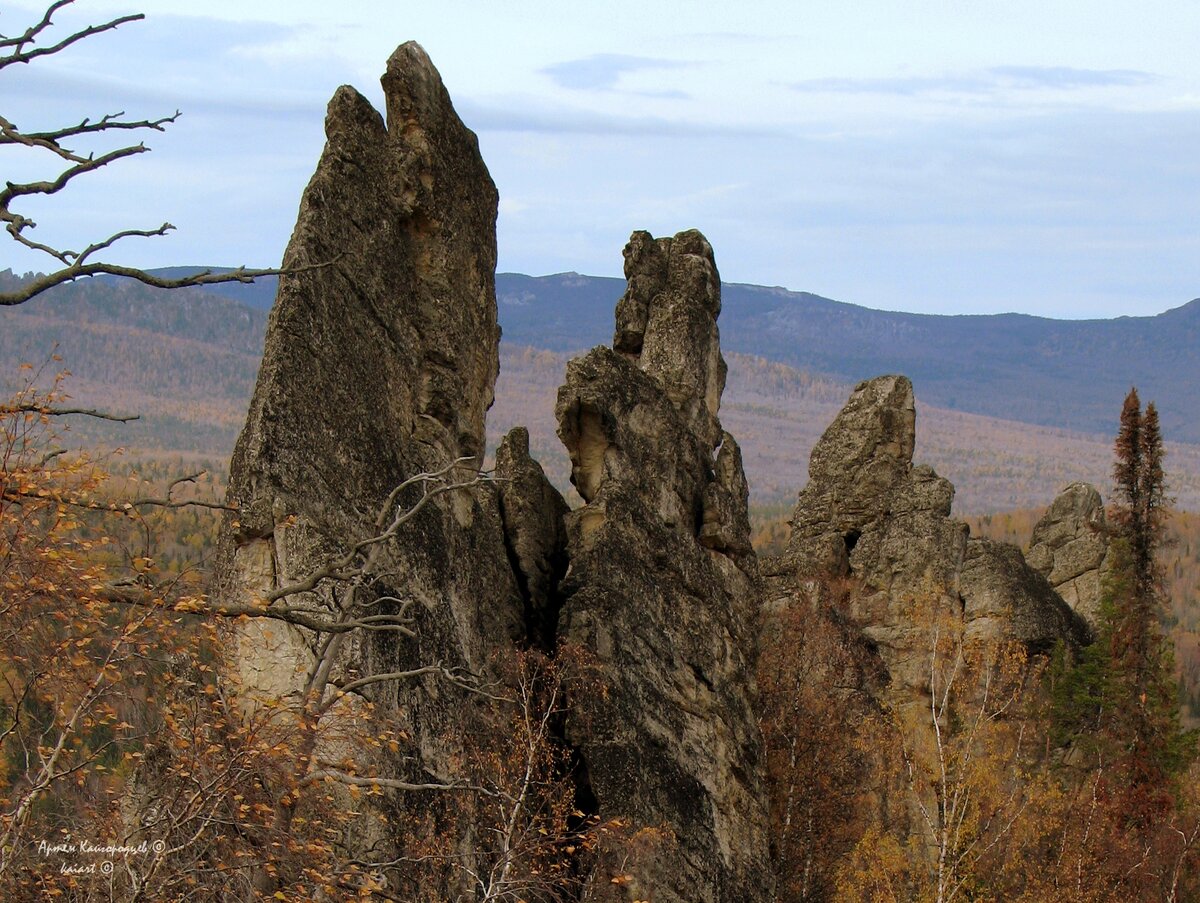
point(187, 361)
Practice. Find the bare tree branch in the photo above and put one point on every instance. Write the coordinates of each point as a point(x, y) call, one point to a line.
point(62, 412)
point(340, 568)
point(344, 777)
point(80, 264)
point(16, 46)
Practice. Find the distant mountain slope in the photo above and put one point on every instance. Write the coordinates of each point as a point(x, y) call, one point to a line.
point(1061, 373)
point(778, 413)
point(187, 360)
point(184, 360)
point(1069, 374)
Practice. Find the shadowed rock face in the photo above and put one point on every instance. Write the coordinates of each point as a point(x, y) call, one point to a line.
point(535, 535)
point(867, 512)
point(1070, 547)
point(662, 587)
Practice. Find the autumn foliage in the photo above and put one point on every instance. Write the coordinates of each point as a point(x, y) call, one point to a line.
point(133, 767)
point(1012, 777)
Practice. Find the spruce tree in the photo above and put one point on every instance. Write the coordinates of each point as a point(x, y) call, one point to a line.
point(1120, 700)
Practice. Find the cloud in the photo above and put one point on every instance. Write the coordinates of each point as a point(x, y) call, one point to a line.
point(1067, 77)
point(152, 69)
point(907, 86)
point(984, 82)
point(528, 115)
point(603, 71)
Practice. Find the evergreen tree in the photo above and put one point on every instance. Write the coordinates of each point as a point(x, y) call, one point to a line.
point(1120, 701)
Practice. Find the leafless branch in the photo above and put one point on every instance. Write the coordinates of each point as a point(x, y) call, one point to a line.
point(49, 140)
point(344, 777)
point(45, 282)
point(342, 567)
point(79, 264)
point(63, 412)
point(16, 46)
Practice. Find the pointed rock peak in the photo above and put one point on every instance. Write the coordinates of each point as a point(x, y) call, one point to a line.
point(667, 324)
point(413, 87)
point(349, 115)
point(860, 475)
point(662, 591)
point(875, 430)
point(411, 57)
point(1080, 500)
point(388, 339)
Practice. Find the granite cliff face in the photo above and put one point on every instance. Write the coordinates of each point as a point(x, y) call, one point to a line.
point(869, 513)
point(662, 589)
point(380, 360)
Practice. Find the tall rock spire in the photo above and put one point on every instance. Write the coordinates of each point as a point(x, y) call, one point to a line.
point(380, 363)
point(662, 590)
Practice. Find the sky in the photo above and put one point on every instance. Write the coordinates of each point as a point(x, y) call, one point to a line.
point(933, 156)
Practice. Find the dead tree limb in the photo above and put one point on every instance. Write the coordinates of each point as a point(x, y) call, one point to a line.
point(70, 264)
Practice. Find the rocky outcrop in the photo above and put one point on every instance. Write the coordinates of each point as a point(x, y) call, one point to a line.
point(1069, 547)
point(533, 513)
point(1004, 598)
point(380, 361)
point(662, 588)
point(870, 514)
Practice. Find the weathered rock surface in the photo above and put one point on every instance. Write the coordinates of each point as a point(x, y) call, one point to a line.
point(381, 356)
point(663, 587)
point(1070, 547)
point(868, 513)
point(535, 534)
point(1004, 598)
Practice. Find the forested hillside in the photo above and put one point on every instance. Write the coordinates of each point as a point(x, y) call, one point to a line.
point(1069, 374)
point(777, 414)
point(186, 360)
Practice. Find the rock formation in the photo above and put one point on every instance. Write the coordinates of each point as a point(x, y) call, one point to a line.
point(873, 547)
point(1070, 547)
point(380, 363)
point(663, 586)
point(380, 360)
point(868, 513)
point(533, 514)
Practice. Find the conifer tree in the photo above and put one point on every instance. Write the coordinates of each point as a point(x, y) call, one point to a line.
point(1120, 700)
